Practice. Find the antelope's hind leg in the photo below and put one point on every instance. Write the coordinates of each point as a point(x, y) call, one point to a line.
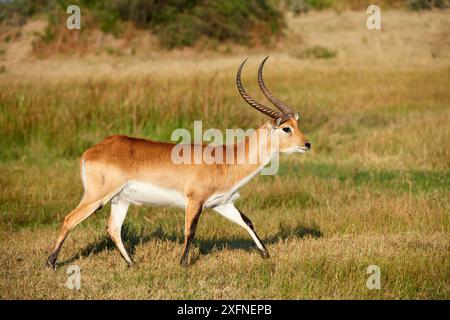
point(97, 193)
point(119, 210)
point(80, 213)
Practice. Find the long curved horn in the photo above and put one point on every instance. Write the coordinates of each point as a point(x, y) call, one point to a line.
point(255, 104)
point(277, 103)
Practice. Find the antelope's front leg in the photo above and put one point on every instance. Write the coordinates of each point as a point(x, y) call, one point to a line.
point(193, 211)
point(230, 212)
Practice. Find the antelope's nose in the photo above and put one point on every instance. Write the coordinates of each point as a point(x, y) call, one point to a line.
point(308, 145)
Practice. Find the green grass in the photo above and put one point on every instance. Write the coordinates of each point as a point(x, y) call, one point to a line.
point(396, 180)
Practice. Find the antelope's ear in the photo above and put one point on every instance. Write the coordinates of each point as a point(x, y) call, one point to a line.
point(297, 116)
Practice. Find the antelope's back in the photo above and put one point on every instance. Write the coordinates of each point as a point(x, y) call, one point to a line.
point(148, 161)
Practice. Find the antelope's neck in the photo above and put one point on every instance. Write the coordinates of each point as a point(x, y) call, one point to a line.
point(260, 149)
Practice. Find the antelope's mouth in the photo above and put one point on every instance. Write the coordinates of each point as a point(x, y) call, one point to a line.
point(296, 149)
point(302, 149)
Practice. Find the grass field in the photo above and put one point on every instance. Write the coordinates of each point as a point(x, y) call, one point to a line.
point(373, 191)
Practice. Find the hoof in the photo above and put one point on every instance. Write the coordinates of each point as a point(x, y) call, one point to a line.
point(184, 262)
point(264, 254)
point(50, 263)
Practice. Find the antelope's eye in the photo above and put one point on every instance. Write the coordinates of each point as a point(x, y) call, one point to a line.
point(287, 129)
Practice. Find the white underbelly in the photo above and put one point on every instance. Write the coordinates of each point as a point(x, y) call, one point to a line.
point(145, 193)
point(139, 193)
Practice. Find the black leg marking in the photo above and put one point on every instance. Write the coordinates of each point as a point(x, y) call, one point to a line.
point(51, 260)
point(264, 253)
point(185, 257)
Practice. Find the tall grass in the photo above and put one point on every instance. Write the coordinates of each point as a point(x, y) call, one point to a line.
point(62, 119)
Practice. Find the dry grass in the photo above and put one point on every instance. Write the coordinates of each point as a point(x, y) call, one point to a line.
point(374, 190)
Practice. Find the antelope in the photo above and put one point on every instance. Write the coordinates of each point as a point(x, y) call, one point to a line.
point(125, 170)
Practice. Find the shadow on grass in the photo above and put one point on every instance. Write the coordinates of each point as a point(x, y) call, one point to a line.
point(132, 239)
point(246, 243)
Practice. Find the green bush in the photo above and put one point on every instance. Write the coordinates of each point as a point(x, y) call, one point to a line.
point(179, 32)
point(298, 6)
point(427, 4)
point(320, 4)
point(180, 23)
point(177, 23)
point(16, 12)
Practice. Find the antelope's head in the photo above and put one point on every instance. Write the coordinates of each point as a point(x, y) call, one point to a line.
point(284, 123)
